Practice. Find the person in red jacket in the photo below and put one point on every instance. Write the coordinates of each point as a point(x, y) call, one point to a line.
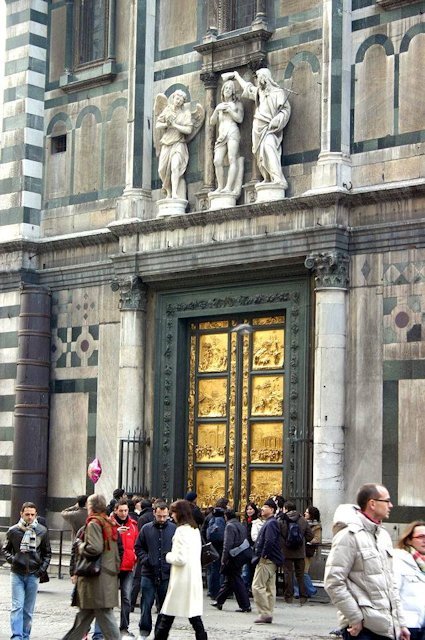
point(128, 531)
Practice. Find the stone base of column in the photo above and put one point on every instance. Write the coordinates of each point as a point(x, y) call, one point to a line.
point(135, 203)
point(267, 191)
point(332, 173)
point(171, 207)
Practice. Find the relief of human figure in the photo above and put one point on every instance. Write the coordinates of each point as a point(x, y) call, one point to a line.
point(228, 115)
point(271, 116)
point(175, 126)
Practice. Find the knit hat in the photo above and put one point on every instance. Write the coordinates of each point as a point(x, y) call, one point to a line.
point(191, 496)
point(270, 503)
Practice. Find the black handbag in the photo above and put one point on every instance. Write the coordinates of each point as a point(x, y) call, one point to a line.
point(87, 567)
point(208, 554)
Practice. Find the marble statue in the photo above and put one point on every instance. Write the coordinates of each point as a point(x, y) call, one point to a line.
point(271, 116)
point(176, 124)
point(228, 115)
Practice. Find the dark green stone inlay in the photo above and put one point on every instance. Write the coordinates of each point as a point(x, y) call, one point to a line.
point(6, 434)
point(22, 152)
point(9, 312)
point(19, 17)
point(8, 371)
point(412, 137)
point(7, 403)
point(8, 339)
point(377, 38)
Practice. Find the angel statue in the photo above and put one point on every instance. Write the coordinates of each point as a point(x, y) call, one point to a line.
point(176, 124)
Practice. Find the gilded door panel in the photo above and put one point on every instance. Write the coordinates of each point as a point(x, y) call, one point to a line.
point(266, 442)
point(211, 446)
point(265, 483)
point(210, 484)
point(236, 410)
point(212, 397)
point(267, 396)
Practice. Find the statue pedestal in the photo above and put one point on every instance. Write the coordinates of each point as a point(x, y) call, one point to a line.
point(267, 191)
point(171, 207)
point(221, 200)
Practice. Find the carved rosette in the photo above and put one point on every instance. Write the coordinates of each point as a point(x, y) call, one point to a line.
point(132, 293)
point(330, 269)
point(248, 301)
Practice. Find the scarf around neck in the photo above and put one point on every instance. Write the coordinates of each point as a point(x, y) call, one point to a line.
point(109, 528)
point(418, 557)
point(29, 539)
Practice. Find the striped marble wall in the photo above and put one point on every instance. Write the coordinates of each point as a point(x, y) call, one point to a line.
point(21, 164)
point(9, 318)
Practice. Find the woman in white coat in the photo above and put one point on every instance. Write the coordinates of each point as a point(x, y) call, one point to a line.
point(409, 570)
point(185, 589)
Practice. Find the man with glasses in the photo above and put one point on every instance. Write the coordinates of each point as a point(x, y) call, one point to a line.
point(359, 576)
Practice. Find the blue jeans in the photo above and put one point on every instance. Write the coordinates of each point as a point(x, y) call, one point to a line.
point(126, 585)
point(308, 584)
point(24, 593)
point(149, 590)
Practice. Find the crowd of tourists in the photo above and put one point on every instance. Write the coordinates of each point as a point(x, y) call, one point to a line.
point(158, 557)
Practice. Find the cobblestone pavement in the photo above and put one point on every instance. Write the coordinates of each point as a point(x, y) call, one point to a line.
point(54, 616)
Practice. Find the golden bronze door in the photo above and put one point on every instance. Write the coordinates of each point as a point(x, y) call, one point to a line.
point(236, 424)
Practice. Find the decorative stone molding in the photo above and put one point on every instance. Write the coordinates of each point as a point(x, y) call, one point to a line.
point(173, 311)
point(224, 52)
point(132, 293)
point(392, 4)
point(330, 269)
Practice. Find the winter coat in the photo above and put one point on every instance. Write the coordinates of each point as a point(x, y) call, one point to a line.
point(152, 545)
point(128, 539)
point(256, 528)
point(410, 581)
point(312, 546)
point(294, 516)
point(359, 578)
point(234, 535)
point(75, 516)
point(32, 562)
point(146, 515)
point(185, 589)
point(100, 592)
point(268, 542)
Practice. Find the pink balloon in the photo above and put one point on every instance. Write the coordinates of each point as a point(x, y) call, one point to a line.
point(94, 470)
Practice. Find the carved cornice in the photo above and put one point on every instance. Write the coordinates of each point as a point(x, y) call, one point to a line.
point(132, 293)
point(221, 53)
point(330, 269)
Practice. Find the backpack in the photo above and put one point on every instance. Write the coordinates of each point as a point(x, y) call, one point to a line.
point(215, 530)
point(294, 537)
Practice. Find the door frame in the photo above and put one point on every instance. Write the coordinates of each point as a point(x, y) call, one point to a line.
point(175, 310)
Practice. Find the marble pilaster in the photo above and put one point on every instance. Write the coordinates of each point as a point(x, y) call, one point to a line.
point(331, 275)
point(210, 81)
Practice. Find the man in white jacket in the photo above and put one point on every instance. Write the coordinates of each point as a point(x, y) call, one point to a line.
point(359, 577)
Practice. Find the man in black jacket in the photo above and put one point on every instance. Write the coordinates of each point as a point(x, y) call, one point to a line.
point(27, 550)
point(151, 547)
point(231, 565)
point(269, 555)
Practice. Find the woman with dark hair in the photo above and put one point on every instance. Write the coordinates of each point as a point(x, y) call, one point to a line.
point(185, 590)
point(231, 564)
point(312, 515)
point(409, 571)
point(253, 524)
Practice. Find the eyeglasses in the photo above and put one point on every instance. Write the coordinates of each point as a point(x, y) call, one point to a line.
point(421, 537)
point(387, 500)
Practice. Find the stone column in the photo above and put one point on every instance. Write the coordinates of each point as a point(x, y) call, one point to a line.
point(131, 374)
point(333, 169)
point(210, 81)
point(136, 199)
point(331, 276)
